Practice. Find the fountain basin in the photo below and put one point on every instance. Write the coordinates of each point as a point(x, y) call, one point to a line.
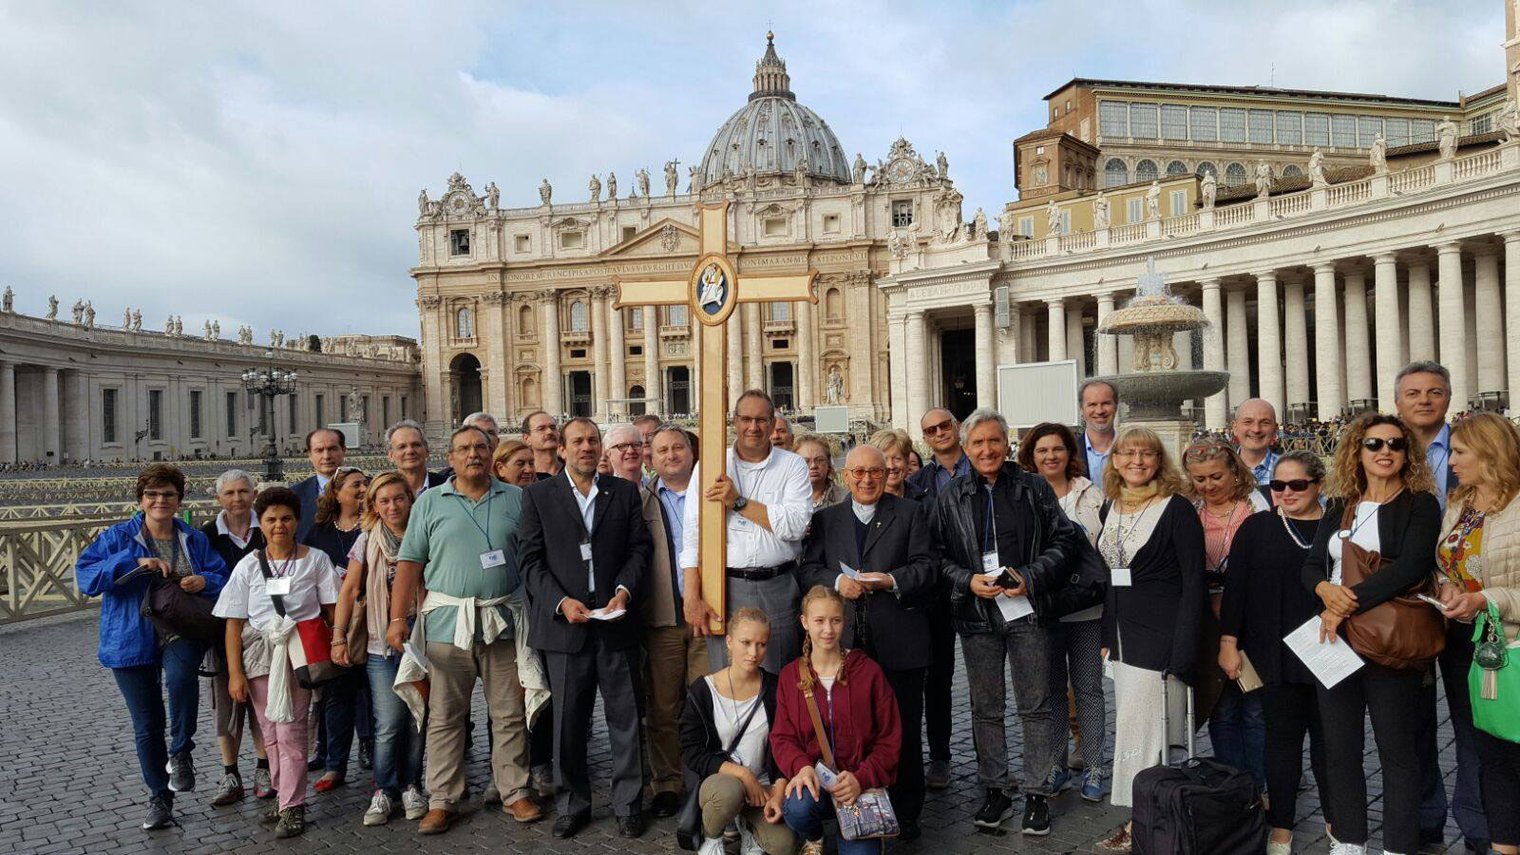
point(1158, 395)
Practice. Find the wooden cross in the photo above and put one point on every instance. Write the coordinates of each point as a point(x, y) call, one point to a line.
point(712, 291)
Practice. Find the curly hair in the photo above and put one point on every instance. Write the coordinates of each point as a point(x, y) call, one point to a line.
point(1206, 450)
point(1348, 480)
point(1167, 478)
point(805, 662)
point(1076, 462)
point(328, 509)
point(1495, 447)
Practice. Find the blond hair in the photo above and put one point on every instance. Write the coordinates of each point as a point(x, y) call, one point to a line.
point(1168, 480)
point(1495, 446)
point(369, 517)
point(1206, 450)
point(1349, 480)
point(805, 662)
point(892, 439)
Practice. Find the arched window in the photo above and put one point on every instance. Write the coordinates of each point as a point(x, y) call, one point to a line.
point(832, 304)
point(1146, 170)
point(1176, 167)
point(636, 403)
point(1234, 175)
point(1205, 168)
point(464, 323)
point(1292, 171)
point(525, 320)
point(1115, 173)
point(578, 319)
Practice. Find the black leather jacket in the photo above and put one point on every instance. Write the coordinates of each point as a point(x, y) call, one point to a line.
point(1043, 566)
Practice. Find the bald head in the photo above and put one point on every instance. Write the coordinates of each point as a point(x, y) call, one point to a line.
point(865, 473)
point(942, 433)
point(1254, 428)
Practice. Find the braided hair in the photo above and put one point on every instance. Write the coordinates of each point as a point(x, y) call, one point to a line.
point(805, 663)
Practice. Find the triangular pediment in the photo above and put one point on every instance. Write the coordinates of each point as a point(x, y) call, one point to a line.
point(665, 237)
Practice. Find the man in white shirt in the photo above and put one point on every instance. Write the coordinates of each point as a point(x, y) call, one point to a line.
point(770, 503)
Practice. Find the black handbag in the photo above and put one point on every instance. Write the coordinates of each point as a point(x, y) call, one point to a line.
point(689, 820)
point(174, 611)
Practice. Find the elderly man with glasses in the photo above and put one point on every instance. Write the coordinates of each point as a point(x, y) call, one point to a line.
point(876, 551)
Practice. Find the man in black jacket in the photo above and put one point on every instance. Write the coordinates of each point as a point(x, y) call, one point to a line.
point(876, 551)
point(584, 550)
point(1005, 551)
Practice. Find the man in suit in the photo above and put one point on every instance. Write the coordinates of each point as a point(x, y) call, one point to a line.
point(885, 543)
point(584, 550)
point(326, 448)
point(407, 450)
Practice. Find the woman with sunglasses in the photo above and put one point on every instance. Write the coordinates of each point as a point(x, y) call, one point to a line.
point(1479, 563)
point(1224, 491)
point(344, 703)
point(1384, 504)
point(1263, 602)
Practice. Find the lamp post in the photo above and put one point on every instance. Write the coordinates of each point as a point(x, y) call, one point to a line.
point(267, 384)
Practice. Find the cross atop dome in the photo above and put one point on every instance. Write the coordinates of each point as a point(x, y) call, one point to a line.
point(771, 79)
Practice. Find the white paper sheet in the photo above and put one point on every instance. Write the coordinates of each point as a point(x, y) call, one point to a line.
point(1330, 663)
point(1012, 608)
point(604, 614)
point(849, 572)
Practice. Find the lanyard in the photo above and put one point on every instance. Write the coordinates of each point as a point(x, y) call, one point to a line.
point(989, 540)
point(485, 531)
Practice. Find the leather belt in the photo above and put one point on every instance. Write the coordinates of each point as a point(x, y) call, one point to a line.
point(760, 574)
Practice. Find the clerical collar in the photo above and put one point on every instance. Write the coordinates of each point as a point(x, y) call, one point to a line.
point(864, 513)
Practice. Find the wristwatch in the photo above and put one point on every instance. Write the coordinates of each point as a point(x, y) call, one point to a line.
point(740, 502)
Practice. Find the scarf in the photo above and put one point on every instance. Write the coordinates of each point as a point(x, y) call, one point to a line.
point(1137, 495)
point(379, 553)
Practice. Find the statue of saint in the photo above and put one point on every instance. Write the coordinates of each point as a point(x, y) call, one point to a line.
point(216, 329)
point(1317, 169)
point(1052, 219)
point(545, 191)
point(834, 391)
point(1446, 138)
point(595, 186)
point(858, 169)
point(206, 330)
point(1378, 156)
point(52, 314)
point(355, 404)
point(1263, 179)
point(944, 165)
point(137, 320)
point(89, 315)
point(641, 178)
point(1210, 189)
point(979, 224)
point(8, 302)
point(422, 203)
point(1100, 211)
point(611, 186)
point(493, 196)
point(126, 318)
point(672, 178)
point(1153, 201)
point(78, 312)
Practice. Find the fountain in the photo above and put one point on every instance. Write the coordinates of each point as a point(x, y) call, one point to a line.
point(1154, 391)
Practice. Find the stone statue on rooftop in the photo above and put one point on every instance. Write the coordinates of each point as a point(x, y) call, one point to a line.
point(1100, 211)
point(858, 169)
point(641, 178)
point(1378, 156)
point(1052, 219)
point(1317, 169)
point(89, 315)
point(1446, 138)
point(179, 325)
point(1263, 179)
point(943, 163)
point(545, 191)
point(422, 203)
point(206, 330)
point(1153, 201)
point(8, 302)
point(979, 224)
point(52, 313)
point(137, 320)
point(1508, 123)
point(216, 329)
point(611, 186)
point(493, 196)
point(595, 186)
point(126, 318)
point(1210, 189)
point(78, 312)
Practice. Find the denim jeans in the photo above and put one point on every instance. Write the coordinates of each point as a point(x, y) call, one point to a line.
point(142, 687)
point(804, 815)
point(398, 743)
point(1026, 647)
point(344, 708)
point(1238, 732)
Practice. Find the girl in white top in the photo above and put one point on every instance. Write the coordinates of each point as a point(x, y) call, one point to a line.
point(306, 582)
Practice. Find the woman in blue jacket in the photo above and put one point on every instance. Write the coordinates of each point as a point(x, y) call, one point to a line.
point(142, 658)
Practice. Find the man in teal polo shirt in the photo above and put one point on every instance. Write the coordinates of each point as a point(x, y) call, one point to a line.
point(461, 543)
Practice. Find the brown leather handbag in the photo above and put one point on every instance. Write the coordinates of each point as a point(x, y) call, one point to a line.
point(1404, 633)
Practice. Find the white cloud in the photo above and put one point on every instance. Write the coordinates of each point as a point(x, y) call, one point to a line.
point(260, 164)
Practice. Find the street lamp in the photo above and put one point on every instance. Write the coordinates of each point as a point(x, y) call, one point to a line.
point(268, 383)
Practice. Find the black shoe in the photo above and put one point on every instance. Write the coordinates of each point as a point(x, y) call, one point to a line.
point(995, 808)
point(1036, 816)
point(315, 764)
point(181, 773)
point(160, 814)
point(570, 824)
point(366, 754)
point(665, 804)
point(909, 831)
point(632, 825)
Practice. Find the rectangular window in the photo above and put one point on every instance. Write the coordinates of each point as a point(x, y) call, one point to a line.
point(1136, 211)
point(1397, 131)
point(1142, 121)
point(459, 242)
point(633, 319)
point(1367, 129)
point(1026, 226)
point(1316, 129)
point(521, 243)
point(1179, 203)
point(108, 415)
point(1173, 122)
point(676, 316)
point(572, 240)
point(232, 408)
point(902, 213)
point(1203, 124)
point(1232, 125)
point(1343, 131)
point(1290, 127)
point(195, 414)
point(1065, 222)
point(1113, 118)
point(780, 311)
point(775, 226)
point(1261, 127)
point(1422, 130)
point(155, 414)
point(1481, 124)
point(317, 414)
point(831, 224)
point(629, 232)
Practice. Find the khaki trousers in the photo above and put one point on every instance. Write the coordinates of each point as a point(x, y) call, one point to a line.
point(452, 681)
point(722, 799)
point(675, 658)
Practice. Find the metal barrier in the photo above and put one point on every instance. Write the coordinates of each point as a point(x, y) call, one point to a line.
point(37, 567)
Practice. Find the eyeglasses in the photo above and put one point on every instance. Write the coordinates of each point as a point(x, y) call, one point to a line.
point(625, 446)
point(867, 472)
point(347, 470)
point(1297, 485)
point(947, 424)
point(160, 495)
point(1373, 443)
point(1142, 453)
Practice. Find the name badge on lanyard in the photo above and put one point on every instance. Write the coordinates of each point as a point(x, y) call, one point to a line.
point(494, 558)
point(1119, 577)
point(990, 563)
point(278, 586)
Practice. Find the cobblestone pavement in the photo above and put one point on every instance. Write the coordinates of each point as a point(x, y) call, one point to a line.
point(69, 782)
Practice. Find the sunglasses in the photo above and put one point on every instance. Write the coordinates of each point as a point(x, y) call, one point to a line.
point(1373, 443)
point(934, 430)
point(1297, 485)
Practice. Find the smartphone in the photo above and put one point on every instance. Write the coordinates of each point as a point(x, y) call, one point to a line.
point(1433, 601)
point(826, 776)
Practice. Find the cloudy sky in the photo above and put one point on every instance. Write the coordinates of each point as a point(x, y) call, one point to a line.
point(259, 162)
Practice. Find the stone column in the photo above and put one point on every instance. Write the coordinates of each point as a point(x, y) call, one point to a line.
point(1511, 316)
point(1422, 331)
point(1237, 346)
point(986, 361)
point(897, 367)
point(1108, 349)
point(8, 413)
point(1358, 350)
point(807, 356)
point(1057, 323)
point(51, 406)
point(1490, 310)
point(754, 363)
point(1327, 343)
point(735, 359)
point(654, 381)
point(618, 346)
point(918, 392)
point(1295, 344)
point(1269, 342)
point(1029, 344)
point(76, 400)
point(599, 335)
point(554, 381)
point(1076, 345)
point(1385, 317)
point(1453, 313)
point(1215, 407)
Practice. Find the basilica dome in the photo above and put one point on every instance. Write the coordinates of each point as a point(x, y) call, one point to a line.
point(773, 133)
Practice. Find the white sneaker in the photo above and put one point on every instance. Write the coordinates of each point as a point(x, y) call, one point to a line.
point(712, 846)
point(1275, 848)
point(379, 812)
point(748, 845)
point(415, 802)
point(1339, 848)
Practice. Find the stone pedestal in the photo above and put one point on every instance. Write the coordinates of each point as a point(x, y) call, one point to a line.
point(1176, 435)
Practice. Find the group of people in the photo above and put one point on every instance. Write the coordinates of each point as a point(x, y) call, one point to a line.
point(567, 565)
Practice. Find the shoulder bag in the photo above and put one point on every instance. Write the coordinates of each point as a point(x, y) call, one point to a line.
point(174, 611)
point(1404, 633)
point(1493, 679)
point(689, 820)
point(871, 816)
point(310, 646)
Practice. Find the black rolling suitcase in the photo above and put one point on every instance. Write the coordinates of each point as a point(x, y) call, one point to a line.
point(1199, 807)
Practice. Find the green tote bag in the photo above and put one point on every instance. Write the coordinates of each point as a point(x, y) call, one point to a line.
point(1493, 680)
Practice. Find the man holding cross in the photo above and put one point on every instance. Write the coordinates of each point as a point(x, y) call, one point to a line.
point(768, 503)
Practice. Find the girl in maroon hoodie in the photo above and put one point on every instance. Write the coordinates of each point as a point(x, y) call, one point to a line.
point(859, 715)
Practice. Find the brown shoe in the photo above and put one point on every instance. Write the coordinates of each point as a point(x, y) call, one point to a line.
point(524, 810)
point(436, 822)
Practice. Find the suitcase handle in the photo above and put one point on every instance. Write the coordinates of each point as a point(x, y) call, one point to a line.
point(1166, 730)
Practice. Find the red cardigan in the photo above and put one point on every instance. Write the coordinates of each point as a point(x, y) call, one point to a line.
point(867, 733)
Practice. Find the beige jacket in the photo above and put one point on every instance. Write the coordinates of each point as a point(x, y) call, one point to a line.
point(1501, 559)
point(659, 594)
